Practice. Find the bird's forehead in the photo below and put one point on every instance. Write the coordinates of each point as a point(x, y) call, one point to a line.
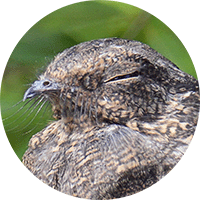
point(111, 59)
point(107, 58)
point(70, 67)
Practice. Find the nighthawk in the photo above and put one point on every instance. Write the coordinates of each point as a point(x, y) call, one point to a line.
point(124, 117)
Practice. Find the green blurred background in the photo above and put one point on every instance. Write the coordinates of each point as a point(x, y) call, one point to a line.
point(62, 29)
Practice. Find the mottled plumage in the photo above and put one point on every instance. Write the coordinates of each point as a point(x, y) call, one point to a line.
point(125, 116)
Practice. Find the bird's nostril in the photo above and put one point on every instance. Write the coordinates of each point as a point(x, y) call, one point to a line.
point(46, 83)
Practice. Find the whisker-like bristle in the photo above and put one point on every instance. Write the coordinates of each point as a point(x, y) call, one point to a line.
point(34, 115)
point(24, 112)
point(18, 109)
point(40, 100)
point(13, 106)
point(45, 109)
point(28, 132)
point(41, 117)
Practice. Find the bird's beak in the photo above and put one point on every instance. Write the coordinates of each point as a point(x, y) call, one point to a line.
point(29, 93)
point(39, 87)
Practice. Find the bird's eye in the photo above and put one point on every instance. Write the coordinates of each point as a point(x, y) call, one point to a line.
point(46, 83)
point(126, 76)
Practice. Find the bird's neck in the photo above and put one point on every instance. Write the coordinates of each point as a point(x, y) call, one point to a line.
point(177, 122)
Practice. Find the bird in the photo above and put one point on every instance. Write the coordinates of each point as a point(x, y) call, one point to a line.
point(124, 117)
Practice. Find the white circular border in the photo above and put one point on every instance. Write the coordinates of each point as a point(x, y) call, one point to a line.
point(17, 17)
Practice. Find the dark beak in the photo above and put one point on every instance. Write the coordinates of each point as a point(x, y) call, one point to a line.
point(39, 87)
point(30, 93)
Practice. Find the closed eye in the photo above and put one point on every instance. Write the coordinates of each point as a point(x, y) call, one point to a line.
point(125, 76)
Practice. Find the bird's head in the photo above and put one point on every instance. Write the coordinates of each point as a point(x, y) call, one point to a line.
point(112, 81)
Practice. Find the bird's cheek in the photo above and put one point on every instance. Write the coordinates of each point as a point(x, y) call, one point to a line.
point(113, 111)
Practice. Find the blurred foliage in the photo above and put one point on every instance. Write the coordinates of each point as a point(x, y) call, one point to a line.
point(62, 29)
